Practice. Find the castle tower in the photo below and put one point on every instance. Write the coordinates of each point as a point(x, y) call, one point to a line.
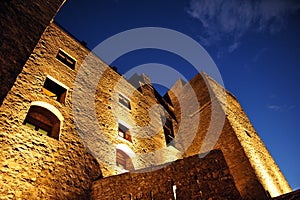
point(253, 168)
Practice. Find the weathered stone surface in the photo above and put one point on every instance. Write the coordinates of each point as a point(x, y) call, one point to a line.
point(250, 163)
point(193, 177)
point(21, 26)
point(63, 168)
point(35, 166)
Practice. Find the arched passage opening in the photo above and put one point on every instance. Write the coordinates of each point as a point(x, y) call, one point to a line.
point(44, 118)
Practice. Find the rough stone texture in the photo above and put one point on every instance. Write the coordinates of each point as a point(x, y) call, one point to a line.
point(35, 166)
point(266, 170)
point(194, 177)
point(32, 165)
point(21, 26)
point(250, 163)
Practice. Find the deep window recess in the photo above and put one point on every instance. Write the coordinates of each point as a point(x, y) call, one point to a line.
point(123, 161)
point(169, 132)
point(124, 132)
point(54, 90)
point(66, 59)
point(43, 121)
point(124, 101)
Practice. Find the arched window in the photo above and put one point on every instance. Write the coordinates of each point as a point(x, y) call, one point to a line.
point(44, 118)
point(123, 161)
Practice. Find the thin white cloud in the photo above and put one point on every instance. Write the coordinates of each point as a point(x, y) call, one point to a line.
point(280, 108)
point(233, 47)
point(234, 18)
point(274, 107)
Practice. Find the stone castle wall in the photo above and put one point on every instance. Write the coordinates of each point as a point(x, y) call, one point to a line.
point(190, 178)
point(237, 139)
point(265, 168)
point(21, 26)
point(37, 166)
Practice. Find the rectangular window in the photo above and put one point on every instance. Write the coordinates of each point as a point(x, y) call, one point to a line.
point(66, 59)
point(52, 88)
point(124, 101)
point(124, 132)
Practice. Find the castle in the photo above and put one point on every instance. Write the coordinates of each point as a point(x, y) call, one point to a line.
point(51, 150)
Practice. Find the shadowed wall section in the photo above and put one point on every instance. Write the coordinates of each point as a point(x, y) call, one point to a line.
point(21, 26)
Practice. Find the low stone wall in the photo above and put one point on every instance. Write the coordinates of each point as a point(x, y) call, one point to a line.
point(190, 178)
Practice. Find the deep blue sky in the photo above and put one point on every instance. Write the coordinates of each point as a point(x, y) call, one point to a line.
point(255, 45)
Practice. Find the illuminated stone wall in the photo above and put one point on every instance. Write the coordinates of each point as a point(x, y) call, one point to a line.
point(265, 168)
point(190, 178)
point(250, 163)
point(33, 164)
point(36, 166)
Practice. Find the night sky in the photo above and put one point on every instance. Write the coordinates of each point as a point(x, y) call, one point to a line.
point(255, 45)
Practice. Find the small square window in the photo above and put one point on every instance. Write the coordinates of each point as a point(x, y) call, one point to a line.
point(124, 101)
point(66, 59)
point(124, 132)
point(52, 88)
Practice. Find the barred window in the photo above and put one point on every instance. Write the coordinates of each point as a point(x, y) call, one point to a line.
point(66, 59)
